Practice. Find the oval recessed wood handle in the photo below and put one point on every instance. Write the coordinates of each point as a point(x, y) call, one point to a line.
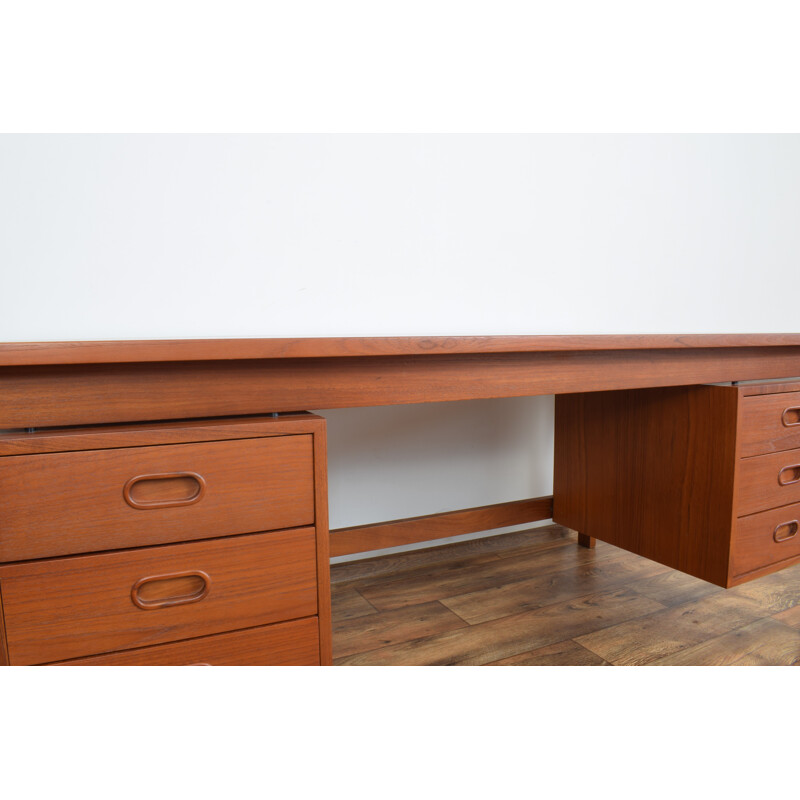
point(141, 503)
point(792, 528)
point(150, 584)
point(796, 470)
point(791, 416)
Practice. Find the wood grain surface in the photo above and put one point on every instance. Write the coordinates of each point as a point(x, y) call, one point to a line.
point(3, 646)
point(763, 425)
point(652, 472)
point(759, 488)
point(588, 607)
point(63, 394)
point(438, 526)
point(770, 386)
point(105, 437)
point(323, 542)
point(765, 642)
point(754, 544)
point(283, 644)
point(70, 607)
point(61, 503)
point(94, 352)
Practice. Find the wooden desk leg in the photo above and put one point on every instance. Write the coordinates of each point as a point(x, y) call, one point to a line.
point(586, 541)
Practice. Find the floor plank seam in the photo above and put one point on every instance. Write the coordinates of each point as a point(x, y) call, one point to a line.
point(550, 603)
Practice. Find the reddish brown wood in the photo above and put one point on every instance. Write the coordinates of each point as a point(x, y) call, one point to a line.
point(283, 644)
point(770, 423)
point(164, 490)
point(61, 503)
point(323, 542)
point(172, 589)
point(754, 543)
point(586, 541)
point(3, 648)
point(103, 437)
point(72, 607)
point(106, 352)
point(768, 481)
point(51, 395)
point(438, 526)
point(762, 571)
point(773, 386)
point(660, 473)
point(652, 472)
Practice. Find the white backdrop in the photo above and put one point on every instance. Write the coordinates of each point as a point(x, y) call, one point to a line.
point(115, 237)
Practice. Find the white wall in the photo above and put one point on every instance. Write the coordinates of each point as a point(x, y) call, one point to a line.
point(113, 237)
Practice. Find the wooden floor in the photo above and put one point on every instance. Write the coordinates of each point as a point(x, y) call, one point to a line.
point(536, 598)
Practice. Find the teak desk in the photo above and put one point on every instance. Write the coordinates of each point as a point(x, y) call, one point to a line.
point(165, 502)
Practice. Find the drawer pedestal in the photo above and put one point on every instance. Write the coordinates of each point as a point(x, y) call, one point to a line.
point(160, 553)
point(704, 479)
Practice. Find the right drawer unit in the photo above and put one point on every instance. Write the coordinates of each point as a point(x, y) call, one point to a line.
point(766, 533)
point(704, 479)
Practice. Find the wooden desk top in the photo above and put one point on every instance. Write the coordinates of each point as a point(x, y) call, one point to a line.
point(79, 383)
point(149, 351)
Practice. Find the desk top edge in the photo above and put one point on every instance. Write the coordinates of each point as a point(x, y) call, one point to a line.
point(139, 351)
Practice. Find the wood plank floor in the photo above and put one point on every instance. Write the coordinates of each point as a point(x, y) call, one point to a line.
point(536, 598)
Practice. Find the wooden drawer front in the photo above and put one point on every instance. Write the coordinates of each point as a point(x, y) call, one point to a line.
point(283, 645)
point(769, 423)
point(62, 503)
point(86, 605)
point(764, 539)
point(768, 482)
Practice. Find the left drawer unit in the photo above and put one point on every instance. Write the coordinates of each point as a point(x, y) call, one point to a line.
point(118, 539)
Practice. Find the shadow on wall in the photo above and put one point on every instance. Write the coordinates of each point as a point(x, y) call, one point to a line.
point(392, 462)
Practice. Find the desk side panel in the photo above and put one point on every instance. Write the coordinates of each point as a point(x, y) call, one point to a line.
point(651, 471)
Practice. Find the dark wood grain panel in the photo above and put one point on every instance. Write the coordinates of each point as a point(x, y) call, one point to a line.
point(560, 654)
point(61, 503)
point(773, 593)
point(439, 526)
point(673, 588)
point(768, 481)
point(104, 437)
point(104, 352)
point(764, 642)
point(653, 636)
point(769, 423)
point(547, 587)
point(509, 636)
point(474, 574)
point(285, 644)
point(790, 616)
point(347, 603)
point(103, 393)
point(368, 632)
point(72, 607)
point(651, 471)
point(660, 634)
